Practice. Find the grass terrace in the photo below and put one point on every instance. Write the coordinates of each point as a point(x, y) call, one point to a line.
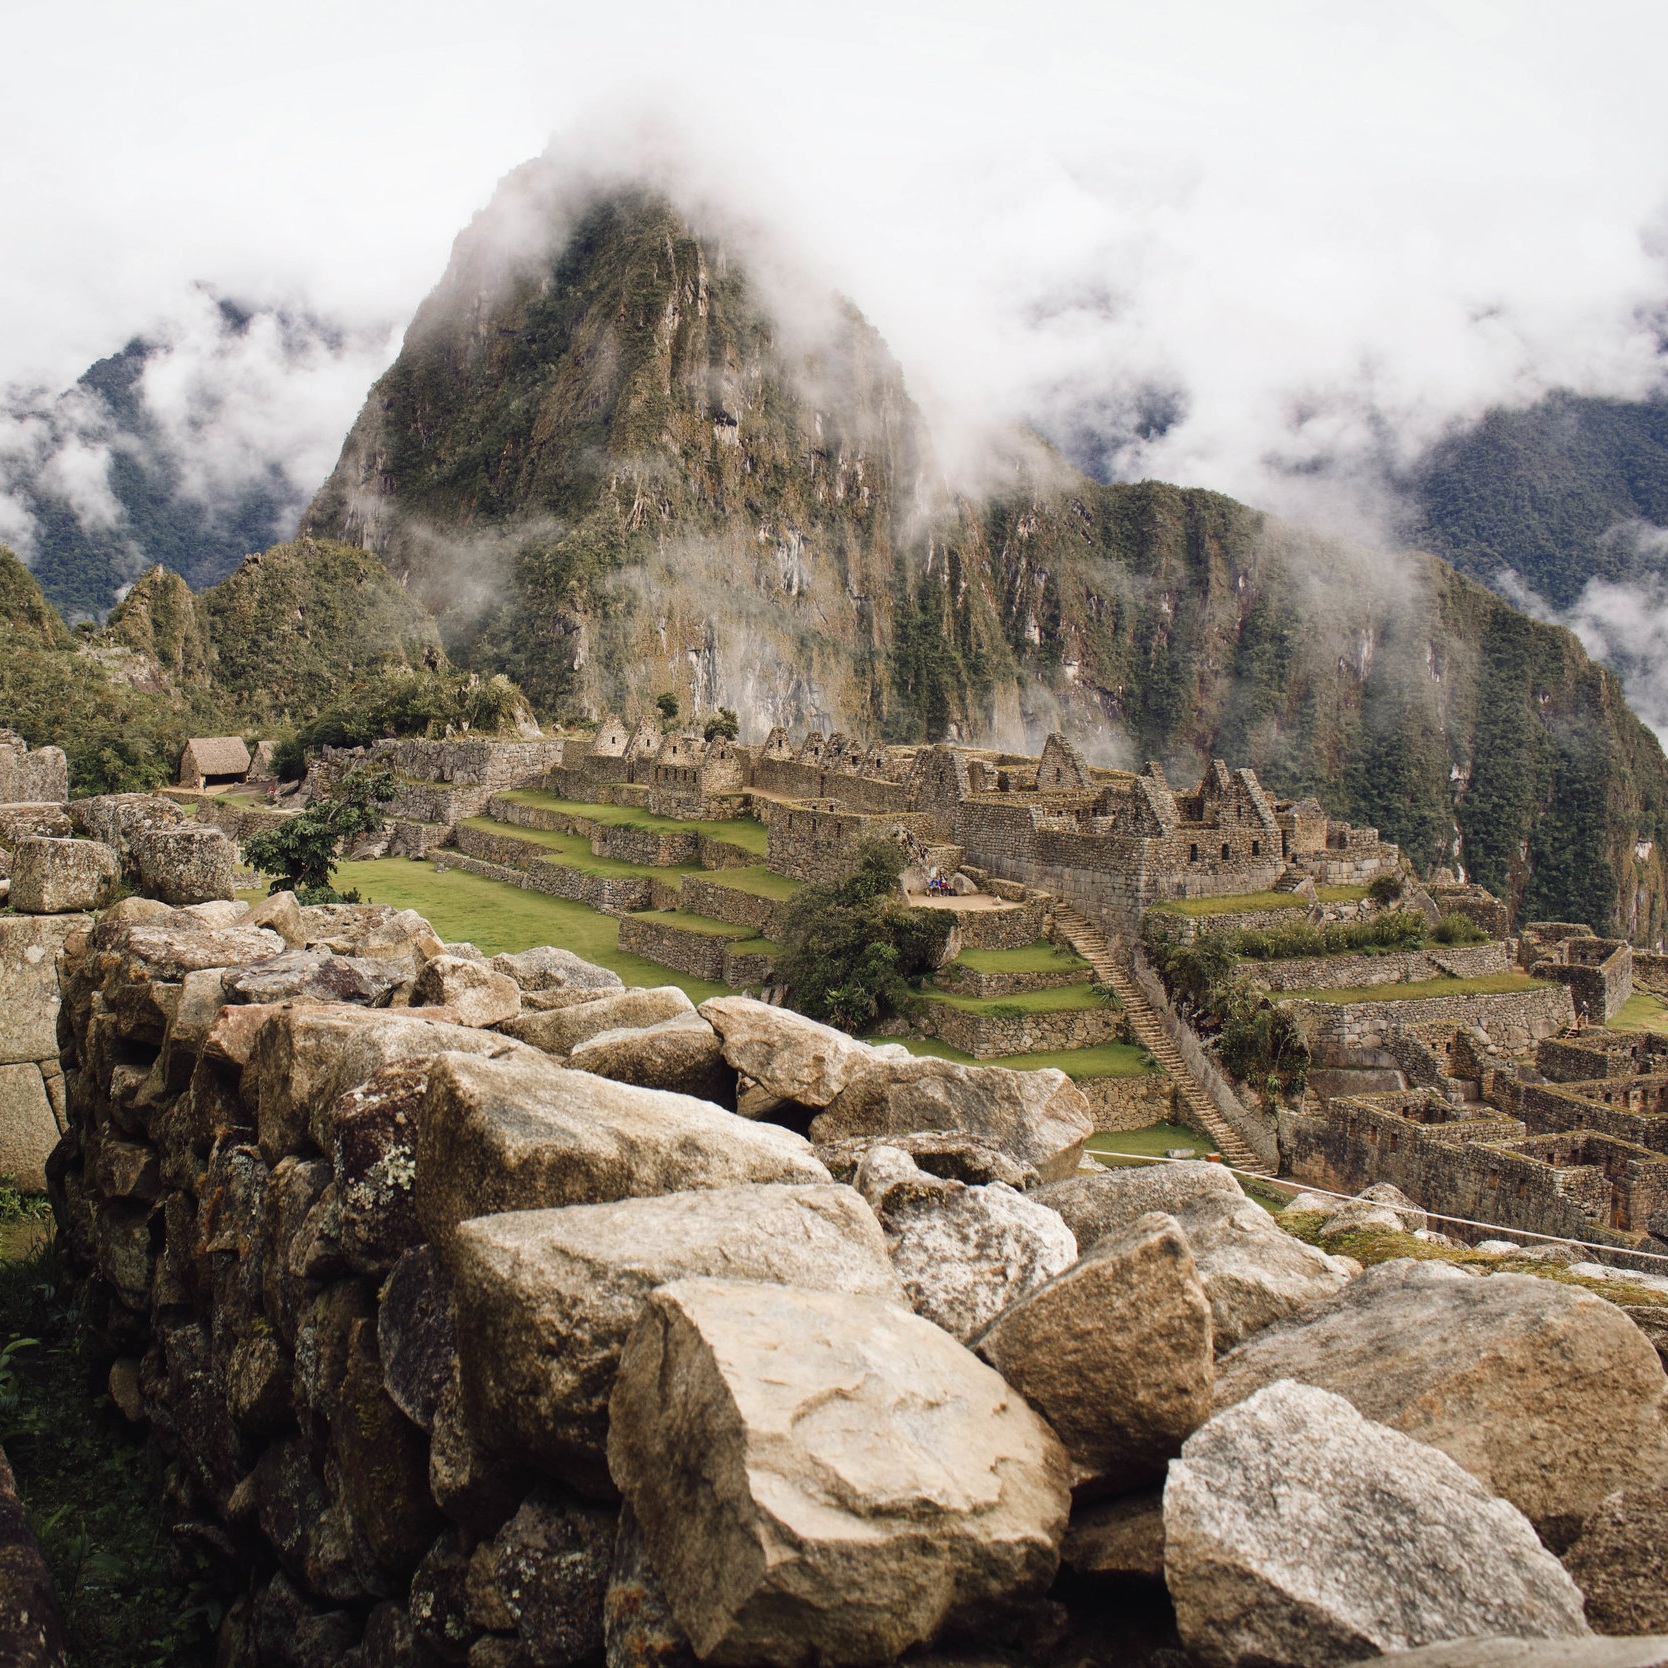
point(703, 924)
point(1041, 957)
point(574, 851)
point(1487, 984)
point(1062, 999)
point(740, 831)
point(1105, 1060)
point(760, 882)
point(1641, 1012)
point(495, 916)
point(1247, 902)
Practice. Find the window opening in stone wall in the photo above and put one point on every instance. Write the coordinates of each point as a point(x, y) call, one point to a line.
point(1256, 848)
point(1225, 854)
point(1193, 854)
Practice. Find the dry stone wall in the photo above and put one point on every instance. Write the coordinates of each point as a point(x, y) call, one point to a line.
point(1514, 1017)
point(1350, 972)
point(989, 1036)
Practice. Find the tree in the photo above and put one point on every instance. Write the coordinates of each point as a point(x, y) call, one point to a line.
point(850, 947)
point(668, 706)
point(722, 726)
point(301, 851)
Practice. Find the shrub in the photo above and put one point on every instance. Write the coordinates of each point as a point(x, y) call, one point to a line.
point(722, 726)
point(667, 705)
point(301, 851)
point(850, 947)
point(1455, 928)
point(411, 701)
point(1395, 929)
point(1385, 889)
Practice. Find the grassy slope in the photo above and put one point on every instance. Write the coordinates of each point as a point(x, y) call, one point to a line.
point(1641, 1012)
point(1041, 957)
point(495, 916)
point(1106, 1060)
point(1062, 999)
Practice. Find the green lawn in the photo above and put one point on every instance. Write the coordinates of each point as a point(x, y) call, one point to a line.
point(1195, 907)
point(1340, 894)
point(1041, 957)
point(1641, 1012)
point(1152, 1142)
point(1487, 984)
point(1106, 1060)
point(703, 924)
point(1062, 999)
point(494, 916)
point(742, 831)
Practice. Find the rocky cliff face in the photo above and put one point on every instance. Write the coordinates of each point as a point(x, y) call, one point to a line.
point(611, 471)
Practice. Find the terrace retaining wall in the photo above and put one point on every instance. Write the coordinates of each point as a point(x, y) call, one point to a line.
point(1510, 1016)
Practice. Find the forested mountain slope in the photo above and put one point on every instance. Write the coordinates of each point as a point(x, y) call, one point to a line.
point(611, 471)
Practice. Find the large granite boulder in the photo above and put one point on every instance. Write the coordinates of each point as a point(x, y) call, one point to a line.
point(547, 1298)
point(521, 1132)
point(118, 818)
point(1621, 1562)
point(312, 976)
point(681, 1054)
point(1298, 1534)
point(476, 994)
point(964, 1254)
point(1115, 1353)
point(823, 1478)
point(1037, 1117)
point(32, 1633)
point(559, 1030)
point(1254, 1272)
point(186, 865)
point(29, 950)
point(548, 968)
point(305, 1058)
point(1547, 1394)
point(54, 877)
point(790, 1056)
point(1501, 1651)
point(28, 1126)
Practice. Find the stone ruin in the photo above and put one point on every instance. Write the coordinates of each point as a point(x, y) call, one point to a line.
point(489, 1312)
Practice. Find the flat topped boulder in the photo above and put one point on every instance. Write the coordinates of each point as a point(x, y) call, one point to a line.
point(469, 987)
point(822, 1478)
point(189, 864)
point(522, 1133)
point(792, 1057)
point(547, 1298)
point(305, 1058)
point(560, 1030)
point(175, 942)
point(548, 968)
point(1037, 1117)
point(1298, 1534)
point(55, 876)
point(311, 976)
point(1548, 1395)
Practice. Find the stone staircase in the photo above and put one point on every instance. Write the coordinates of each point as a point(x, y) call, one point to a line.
point(1090, 942)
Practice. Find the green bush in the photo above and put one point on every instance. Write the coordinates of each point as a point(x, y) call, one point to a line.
point(1384, 889)
point(301, 852)
point(411, 701)
point(851, 947)
point(722, 726)
point(1395, 929)
point(1455, 928)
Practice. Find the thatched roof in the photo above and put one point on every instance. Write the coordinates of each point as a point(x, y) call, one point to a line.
point(215, 756)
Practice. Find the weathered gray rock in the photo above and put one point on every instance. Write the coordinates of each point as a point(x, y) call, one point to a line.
point(1621, 1562)
point(966, 1253)
point(416, 1331)
point(1122, 1538)
point(1547, 1394)
point(375, 1154)
point(280, 912)
point(548, 968)
point(559, 1030)
point(32, 1633)
point(639, 1629)
point(950, 1154)
point(787, 1054)
point(54, 877)
point(827, 1478)
point(550, 1566)
point(18, 821)
point(1104, 1200)
point(1296, 1532)
point(478, 995)
point(680, 1054)
point(191, 864)
point(1115, 1353)
point(29, 950)
point(1499, 1651)
point(174, 943)
point(470, 1485)
point(546, 1299)
point(28, 1129)
point(312, 976)
point(521, 1132)
point(1653, 1322)
point(1039, 1118)
point(1380, 1205)
point(306, 1058)
point(439, 1602)
point(115, 818)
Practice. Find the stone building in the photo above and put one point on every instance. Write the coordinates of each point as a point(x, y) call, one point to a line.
point(1598, 971)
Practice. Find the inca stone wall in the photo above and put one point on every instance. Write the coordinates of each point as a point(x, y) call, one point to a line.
point(1514, 1016)
point(1350, 972)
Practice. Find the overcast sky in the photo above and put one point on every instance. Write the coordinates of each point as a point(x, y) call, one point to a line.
point(1315, 229)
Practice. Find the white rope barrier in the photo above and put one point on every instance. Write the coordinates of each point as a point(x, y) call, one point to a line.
point(1349, 1198)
